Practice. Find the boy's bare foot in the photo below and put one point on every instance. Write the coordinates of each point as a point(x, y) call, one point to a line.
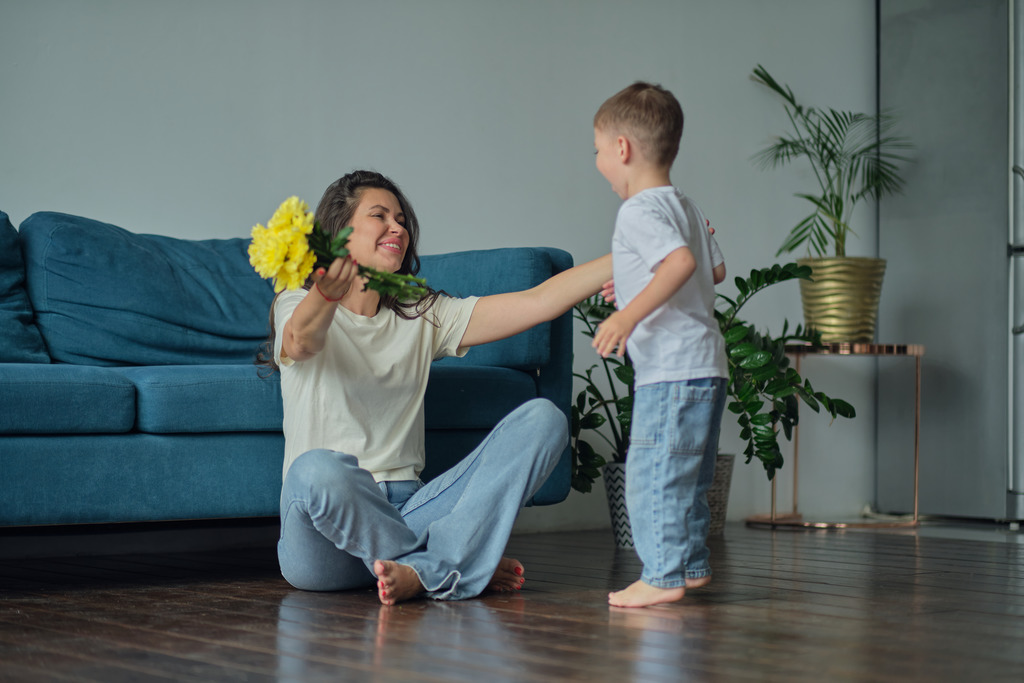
point(508, 576)
point(698, 582)
point(640, 594)
point(396, 582)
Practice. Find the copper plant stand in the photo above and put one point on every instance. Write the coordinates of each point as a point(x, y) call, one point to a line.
point(794, 518)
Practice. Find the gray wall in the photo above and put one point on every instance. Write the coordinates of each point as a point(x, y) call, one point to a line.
point(956, 305)
point(195, 119)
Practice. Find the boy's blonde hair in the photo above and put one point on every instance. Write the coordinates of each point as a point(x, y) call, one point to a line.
point(650, 115)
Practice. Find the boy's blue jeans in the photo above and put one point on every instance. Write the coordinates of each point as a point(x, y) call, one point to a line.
point(669, 468)
point(336, 520)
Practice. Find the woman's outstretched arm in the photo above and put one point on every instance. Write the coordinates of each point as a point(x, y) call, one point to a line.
point(503, 315)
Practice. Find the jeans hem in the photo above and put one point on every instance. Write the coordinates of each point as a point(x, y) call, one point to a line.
point(664, 583)
point(443, 589)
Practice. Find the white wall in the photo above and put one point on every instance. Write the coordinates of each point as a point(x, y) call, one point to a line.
point(195, 119)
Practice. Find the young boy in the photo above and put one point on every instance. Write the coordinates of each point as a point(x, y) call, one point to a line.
point(665, 266)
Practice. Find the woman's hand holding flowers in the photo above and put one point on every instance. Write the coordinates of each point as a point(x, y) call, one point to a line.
point(293, 244)
point(335, 281)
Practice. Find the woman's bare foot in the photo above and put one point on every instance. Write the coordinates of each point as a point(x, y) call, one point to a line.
point(640, 594)
point(508, 576)
point(396, 582)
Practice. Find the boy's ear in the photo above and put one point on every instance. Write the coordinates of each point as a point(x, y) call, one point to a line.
point(625, 148)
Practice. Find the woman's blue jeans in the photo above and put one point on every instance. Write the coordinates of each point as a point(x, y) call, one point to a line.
point(336, 520)
point(669, 469)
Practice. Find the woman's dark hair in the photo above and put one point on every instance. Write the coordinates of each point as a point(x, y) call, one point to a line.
point(334, 213)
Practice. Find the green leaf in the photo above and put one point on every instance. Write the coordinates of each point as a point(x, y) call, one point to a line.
point(843, 409)
point(625, 374)
point(756, 360)
point(765, 373)
point(740, 351)
point(592, 421)
point(752, 407)
point(735, 334)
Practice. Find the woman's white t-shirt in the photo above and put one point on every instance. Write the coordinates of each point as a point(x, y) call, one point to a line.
point(363, 393)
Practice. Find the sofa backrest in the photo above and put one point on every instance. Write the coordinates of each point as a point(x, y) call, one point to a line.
point(495, 271)
point(22, 342)
point(106, 296)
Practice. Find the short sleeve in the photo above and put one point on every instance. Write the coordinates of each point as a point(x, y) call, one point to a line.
point(284, 306)
point(716, 254)
point(649, 233)
point(452, 316)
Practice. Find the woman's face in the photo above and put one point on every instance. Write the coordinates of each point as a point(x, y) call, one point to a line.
point(379, 239)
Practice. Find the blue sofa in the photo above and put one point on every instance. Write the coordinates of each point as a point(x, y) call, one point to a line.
point(128, 388)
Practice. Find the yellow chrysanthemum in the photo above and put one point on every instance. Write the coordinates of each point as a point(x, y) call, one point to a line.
point(280, 250)
point(292, 215)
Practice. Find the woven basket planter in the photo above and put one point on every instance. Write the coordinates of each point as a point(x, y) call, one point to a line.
point(615, 486)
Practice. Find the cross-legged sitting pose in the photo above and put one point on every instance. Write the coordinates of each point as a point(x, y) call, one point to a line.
point(354, 370)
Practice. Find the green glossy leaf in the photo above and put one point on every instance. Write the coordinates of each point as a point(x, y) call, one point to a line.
point(625, 374)
point(756, 360)
point(736, 333)
point(740, 351)
point(844, 409)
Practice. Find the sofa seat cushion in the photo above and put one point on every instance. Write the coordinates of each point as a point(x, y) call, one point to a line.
point(194, 399)
point(22, 342)
point(106, 296)
point(64, 399)
point(474, 397)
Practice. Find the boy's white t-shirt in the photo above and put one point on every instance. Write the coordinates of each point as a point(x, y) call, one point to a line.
point(681, 339)
point(363, 393)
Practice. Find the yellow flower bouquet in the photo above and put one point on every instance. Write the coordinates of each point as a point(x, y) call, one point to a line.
point(293, 244)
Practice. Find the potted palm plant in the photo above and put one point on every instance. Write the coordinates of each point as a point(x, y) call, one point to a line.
point(763, 393)
point(853, 156)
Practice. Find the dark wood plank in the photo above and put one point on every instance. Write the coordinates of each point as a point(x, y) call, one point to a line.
point(784, 606)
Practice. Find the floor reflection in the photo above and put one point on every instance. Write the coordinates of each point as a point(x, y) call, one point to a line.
point(318, 631)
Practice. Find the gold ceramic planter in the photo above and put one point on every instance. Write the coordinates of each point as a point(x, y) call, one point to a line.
point(842, 301)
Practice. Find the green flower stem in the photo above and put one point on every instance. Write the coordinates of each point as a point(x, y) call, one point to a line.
point(401, 287)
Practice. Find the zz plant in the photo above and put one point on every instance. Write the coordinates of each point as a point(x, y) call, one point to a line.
point(763, 389)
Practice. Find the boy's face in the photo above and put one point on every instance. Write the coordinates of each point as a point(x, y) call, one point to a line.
point(609, 161)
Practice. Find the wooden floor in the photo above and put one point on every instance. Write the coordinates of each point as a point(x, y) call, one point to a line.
point(784, 606)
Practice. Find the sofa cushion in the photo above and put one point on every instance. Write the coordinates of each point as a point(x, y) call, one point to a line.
point(64, 399)
point(495, 271)
point(474, 397)
point(195, 399)
point(22, 342)
point(106, 296)
point(76, 479)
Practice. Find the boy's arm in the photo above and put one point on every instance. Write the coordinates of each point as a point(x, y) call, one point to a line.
point(672, 273)
point(717, 260)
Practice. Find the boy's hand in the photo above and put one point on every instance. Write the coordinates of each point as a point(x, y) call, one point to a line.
point(612, 334)
point(608, 291)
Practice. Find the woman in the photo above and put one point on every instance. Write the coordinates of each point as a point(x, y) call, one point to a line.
point(354, 370)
